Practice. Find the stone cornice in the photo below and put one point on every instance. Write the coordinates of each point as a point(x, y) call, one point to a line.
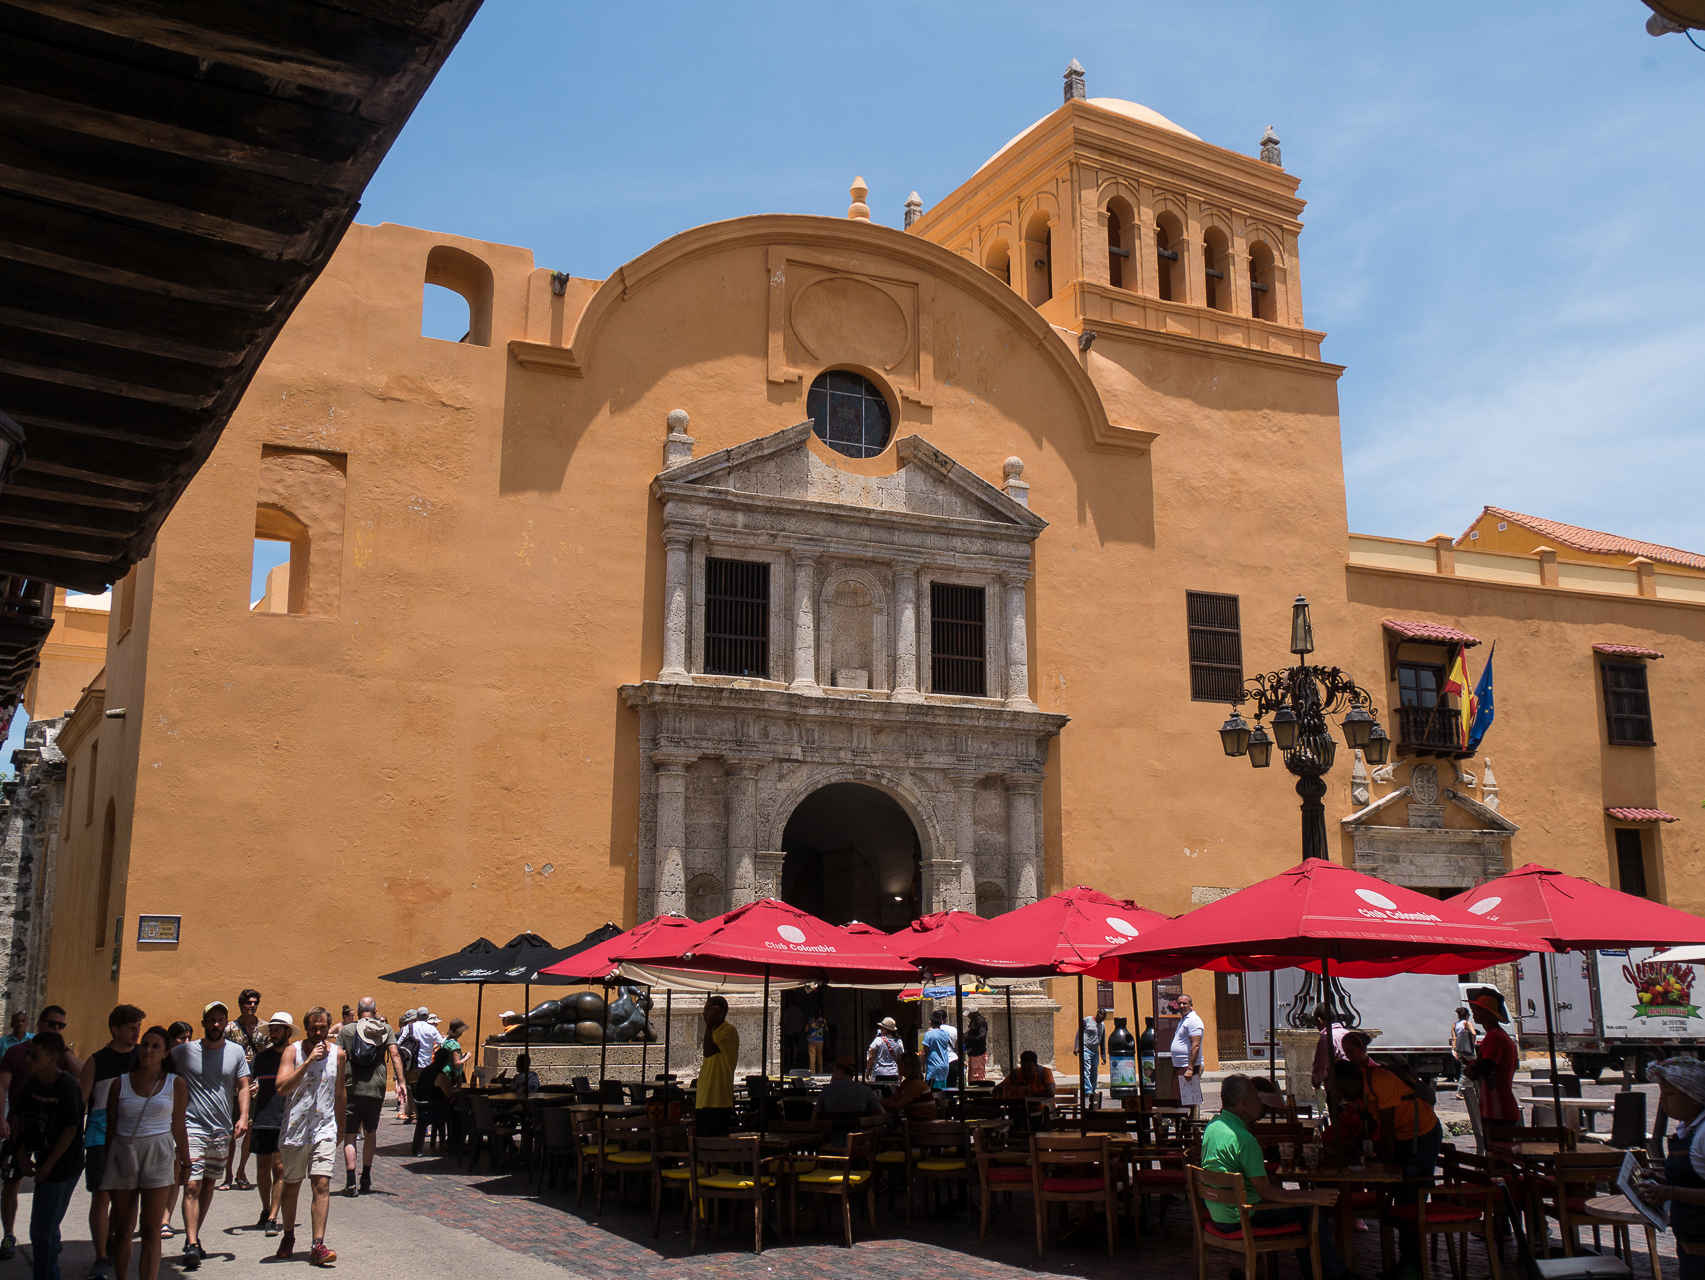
point(985, 714)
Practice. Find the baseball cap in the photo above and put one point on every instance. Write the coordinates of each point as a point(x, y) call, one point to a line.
point(211, 1005)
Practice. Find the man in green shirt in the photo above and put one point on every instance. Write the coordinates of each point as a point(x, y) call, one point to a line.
point(1229, 1147)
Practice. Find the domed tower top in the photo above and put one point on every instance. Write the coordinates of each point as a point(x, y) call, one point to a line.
point(1105, 213)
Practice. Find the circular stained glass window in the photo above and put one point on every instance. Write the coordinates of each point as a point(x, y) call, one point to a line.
point(849, 414)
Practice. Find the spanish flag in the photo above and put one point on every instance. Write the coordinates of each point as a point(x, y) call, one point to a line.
point(1457, 683)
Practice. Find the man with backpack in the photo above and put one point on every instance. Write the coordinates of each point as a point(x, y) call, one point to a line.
point(407, 1048)
point(367, 1044)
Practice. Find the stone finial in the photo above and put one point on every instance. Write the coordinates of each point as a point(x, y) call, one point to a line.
point(1489, 787)
point(914, 208)
point(858, 210)
point(1016, 489)
point(1074, 81)
point(678, 448)
point(1359, 780)
point(1270, 148)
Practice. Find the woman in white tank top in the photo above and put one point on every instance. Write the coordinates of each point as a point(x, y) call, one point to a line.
point(149, 1150)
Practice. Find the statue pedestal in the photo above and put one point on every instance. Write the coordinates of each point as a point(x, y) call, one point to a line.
point(1299, 1049)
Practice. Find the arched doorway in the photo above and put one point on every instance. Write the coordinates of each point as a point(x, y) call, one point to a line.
point(853, 853)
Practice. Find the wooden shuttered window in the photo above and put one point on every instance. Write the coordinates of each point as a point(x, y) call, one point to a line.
point(1627, 706)
point(957, 662)
point(1216, 647)
point(1631, 861)
point(737, 618)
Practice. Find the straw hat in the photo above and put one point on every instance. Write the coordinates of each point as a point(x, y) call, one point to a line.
point(281, 1019)
point(888, 1024)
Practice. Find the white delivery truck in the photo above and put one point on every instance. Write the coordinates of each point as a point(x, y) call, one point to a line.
point(1612, 1008)
point(1413, 1013)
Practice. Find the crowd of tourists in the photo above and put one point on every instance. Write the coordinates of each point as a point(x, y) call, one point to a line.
point(160, 1114)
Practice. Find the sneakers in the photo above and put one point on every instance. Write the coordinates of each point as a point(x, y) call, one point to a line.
point(321, 1256)
point(286, 1246)
point(191, 1258)
point(273, 1227)
point(349, 1189)
point(262, 1224)
point(8, 1247)
point(102, 1269)
point(366, 1181)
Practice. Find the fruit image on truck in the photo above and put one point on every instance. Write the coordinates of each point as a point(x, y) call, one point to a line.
point(1612, 1008)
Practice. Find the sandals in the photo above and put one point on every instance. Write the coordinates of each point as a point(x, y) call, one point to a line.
point(167, 1231)
point(242, 1184)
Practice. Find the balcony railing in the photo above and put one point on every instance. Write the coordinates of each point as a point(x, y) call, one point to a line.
point(1429, 731)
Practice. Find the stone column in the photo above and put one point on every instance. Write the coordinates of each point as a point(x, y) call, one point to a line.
point(964, 889)
point(906, 634)
point(804, 624)
point(1017, 646)
point(1025, 879)
point(672, 829)
point(742, 775)
point(676, 607)
point(767, 874)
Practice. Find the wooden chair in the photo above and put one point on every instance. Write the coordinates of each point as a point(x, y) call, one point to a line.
point(727, 1169)
point(1459, 1209)
point(997, 1170)
point(937, 1151)
point(1163, 1176)
point(626, 1151)
point(556, 1144)
point(1576, 1181)
point(1204, 1187)
point(670, 1156)
point(843, 1176)
point(1589, 1266)
point(1067, 1169)
point(588, 1142)
point(489, 1133)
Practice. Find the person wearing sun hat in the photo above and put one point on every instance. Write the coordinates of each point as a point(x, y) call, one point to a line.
point(1681, 1186)
point(1494, 1066)
point(882, 1063)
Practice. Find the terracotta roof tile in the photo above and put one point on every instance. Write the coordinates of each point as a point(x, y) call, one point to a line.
point(1642, 815)
point(1607, 544)
point(1626, 651)
point(1429, 632)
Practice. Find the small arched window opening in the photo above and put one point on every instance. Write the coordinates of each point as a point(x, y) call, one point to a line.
point(1216, 269)
point(997, 260)
point(1121, 244)
point(991, 899)
point(1169, 264)
point(1263, 297)
point(1039, 259)
point(461, 274)
point(849, 413)
point(103, 885)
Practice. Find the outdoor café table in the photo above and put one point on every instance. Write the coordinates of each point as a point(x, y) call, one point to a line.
point(1579, 1113)
point(1616, 1208)
point(1344, 1177)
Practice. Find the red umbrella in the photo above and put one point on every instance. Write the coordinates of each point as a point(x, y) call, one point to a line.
point(774, 939)
point(1062, 933)
point(1573, 914)
point(1320, 915)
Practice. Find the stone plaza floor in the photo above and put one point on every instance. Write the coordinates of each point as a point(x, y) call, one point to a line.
point(430, 1217)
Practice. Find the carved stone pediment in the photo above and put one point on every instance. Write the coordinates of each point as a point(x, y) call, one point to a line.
point(781, 468)
point(1427, 852)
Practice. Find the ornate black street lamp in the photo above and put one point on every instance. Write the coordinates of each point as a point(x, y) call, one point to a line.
point(1298, 701)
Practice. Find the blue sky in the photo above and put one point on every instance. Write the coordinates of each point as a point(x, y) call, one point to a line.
point(1502, 198)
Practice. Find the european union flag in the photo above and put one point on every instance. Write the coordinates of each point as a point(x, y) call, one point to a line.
point(1483, 704)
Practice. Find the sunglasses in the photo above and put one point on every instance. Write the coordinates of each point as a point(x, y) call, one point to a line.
point(54, 1026)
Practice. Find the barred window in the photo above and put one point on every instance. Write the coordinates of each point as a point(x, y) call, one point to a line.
point(737, 618)
point(956, 639)
point(1627, 706)
point(1216, 647)
point(1631, 861)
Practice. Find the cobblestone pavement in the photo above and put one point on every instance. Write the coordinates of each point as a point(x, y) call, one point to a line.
point(429, 1217)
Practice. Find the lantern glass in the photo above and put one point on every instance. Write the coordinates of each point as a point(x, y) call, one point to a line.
point(1285, 728)
point(1302, 630)
point(1260, 749)
point(1378, 749)
point(1356, 726)
point(1234, 735)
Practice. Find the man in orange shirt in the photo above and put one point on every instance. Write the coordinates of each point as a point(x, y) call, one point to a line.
point(1410, 1134)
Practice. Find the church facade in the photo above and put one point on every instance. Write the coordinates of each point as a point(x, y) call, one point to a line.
point(882, 570)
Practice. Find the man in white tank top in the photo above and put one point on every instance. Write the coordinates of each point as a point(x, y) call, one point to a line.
point(310, 1075)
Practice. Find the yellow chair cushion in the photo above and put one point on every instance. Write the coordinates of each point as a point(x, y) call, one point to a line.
point(731, 1182)
point(857, 1178)
point(680, 1175)
point(628, 1157)
point(940, 1166)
